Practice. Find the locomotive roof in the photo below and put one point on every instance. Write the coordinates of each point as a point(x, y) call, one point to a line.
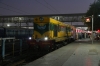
point(51, 20)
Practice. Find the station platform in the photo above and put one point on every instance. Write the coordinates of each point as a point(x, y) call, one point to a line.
point(78, 53)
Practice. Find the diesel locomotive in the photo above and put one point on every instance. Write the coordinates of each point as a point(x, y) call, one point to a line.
point(50, 33)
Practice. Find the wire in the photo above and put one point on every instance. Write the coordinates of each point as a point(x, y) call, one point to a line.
point(46, 6)
point(13, 7)
point(11, 10)
point(52, 6)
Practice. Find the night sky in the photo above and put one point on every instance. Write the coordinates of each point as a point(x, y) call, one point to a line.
point(36, 7)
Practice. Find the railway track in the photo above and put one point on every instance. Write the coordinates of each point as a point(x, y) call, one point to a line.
point(22, 59)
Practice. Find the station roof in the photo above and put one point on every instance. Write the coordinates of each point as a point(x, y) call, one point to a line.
point(72, 14)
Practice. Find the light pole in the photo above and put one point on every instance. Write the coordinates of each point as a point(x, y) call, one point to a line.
point(92, 29)
point(88, 20)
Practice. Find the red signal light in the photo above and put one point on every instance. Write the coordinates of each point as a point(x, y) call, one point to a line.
point(87, 20)
point(98, 30)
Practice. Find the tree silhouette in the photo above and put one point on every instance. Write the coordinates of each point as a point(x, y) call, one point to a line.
point(94, 10)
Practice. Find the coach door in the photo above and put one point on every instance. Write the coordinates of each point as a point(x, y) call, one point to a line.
point(55, 30)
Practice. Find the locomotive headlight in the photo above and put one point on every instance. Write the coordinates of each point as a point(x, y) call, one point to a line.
point(45, 38)
point(30, 38)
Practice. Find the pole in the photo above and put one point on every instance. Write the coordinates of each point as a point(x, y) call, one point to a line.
point(3, 49)
point(92, 29)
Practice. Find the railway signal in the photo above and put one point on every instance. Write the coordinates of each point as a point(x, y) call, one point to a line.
point(98, 30)
point(87, 20)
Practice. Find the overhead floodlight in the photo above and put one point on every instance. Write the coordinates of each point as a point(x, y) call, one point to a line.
point(99, 15)
point(8, 25)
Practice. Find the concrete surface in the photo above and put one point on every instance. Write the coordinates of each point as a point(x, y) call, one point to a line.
point(79, 53)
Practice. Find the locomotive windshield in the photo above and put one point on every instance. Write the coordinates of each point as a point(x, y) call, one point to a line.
point(41, 27)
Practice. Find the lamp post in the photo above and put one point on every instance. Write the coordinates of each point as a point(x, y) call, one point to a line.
point(92, 29)
point(93, 26)
point(88, 20)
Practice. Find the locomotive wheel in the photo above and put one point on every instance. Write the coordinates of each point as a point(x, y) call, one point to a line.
point(61, 45)
point(53, 47)
point(65, 43)
point(35, 48)
point(57, 46)
point(48, 48)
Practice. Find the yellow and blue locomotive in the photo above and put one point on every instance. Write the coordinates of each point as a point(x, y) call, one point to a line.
point(50, 33)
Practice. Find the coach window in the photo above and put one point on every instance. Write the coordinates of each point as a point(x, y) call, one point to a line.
point(16, 32)
point(7, 32)
point(51, 26)
point(25, 32)
point(67, 30)
point(59, 28)
point(55, 30)
point(22, 31)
